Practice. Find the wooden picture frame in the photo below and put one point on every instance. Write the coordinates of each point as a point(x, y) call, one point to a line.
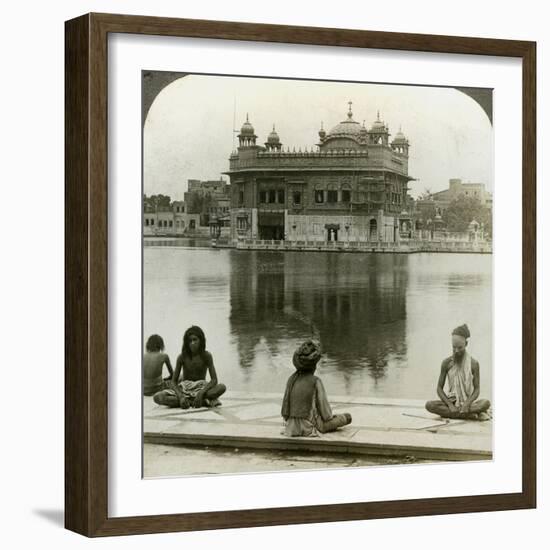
point(86, 275)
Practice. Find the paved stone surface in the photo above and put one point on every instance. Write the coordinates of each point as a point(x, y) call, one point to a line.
point(157, 426)
point(389, 417)
point(258, 411)
point(390, 428)
point(184, 460)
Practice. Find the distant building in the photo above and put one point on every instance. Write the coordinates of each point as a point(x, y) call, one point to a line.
point(170, 220)
point(215, 188)
point(427, 213)
point(352, 187)
point(178, 207)
point(210, 199)
point(456, 188)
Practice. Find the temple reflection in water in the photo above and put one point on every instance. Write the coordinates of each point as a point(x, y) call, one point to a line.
point(355, 305)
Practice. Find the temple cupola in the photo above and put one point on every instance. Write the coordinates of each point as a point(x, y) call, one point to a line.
point(247, 137)
point(400, 143)
point(273, 142)
point(379, 132)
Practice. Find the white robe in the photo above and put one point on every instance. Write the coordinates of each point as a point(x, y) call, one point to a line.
point(460, 380)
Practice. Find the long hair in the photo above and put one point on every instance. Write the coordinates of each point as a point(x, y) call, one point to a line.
point(193, 331)
point(154, 343)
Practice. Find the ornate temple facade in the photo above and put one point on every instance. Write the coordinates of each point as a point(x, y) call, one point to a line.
point(352, 186)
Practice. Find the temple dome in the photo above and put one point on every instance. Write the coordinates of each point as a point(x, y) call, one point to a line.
point(348, 128)
point(247, 129)
point(378, 125)
point(400, 137)
point(273, 136)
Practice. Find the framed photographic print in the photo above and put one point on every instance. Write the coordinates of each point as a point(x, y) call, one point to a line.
point(300, 275)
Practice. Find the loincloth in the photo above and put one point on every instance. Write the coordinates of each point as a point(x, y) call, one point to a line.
point(189, 388)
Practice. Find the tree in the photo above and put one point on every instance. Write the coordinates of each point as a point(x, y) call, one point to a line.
point(426, 195)
point(155, 201)
point(463, 210)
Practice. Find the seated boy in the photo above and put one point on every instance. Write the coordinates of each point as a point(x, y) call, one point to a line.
point(153, 361)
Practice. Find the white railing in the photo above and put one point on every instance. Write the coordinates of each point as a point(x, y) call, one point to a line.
point(399, 246)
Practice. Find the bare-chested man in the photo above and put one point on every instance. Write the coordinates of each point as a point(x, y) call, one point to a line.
point(195, 362)
point(461, 371)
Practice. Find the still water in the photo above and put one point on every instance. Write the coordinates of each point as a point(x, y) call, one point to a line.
point(384, 320)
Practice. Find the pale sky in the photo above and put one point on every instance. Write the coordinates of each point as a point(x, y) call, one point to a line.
point(188, 131)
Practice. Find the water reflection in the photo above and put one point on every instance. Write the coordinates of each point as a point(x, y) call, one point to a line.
point(355, 305)
point(384, 320)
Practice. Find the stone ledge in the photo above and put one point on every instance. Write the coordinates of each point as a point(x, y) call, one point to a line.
point(392, 428)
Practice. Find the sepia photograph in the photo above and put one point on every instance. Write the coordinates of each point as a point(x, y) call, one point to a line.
point(317, 274)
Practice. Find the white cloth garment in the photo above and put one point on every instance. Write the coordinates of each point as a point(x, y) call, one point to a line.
point(460, 379)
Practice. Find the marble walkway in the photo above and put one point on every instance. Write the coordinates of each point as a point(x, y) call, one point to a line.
point(380, 427)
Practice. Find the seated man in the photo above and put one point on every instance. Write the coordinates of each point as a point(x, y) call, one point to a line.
point(306, 409)
point(193, 390)
point(461, 371)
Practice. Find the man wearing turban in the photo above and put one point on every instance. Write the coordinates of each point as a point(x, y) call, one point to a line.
point(461, 372)
point(305, 407)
